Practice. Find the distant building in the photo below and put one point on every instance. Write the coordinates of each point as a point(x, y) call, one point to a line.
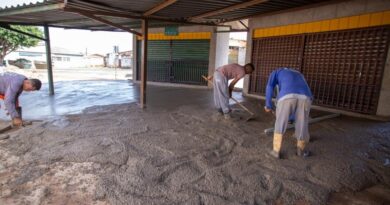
point(126, 59)
point(94, 60)
point(119, 60)
point(61, 57)
point(237, 50)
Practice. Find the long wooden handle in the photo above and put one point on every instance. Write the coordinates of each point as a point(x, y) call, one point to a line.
point(246, 109)
point(206, 79)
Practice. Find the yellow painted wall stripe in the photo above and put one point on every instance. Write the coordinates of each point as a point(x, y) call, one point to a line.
point(181, 36)
point(351, 22)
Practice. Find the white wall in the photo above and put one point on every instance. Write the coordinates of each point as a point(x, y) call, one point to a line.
point(241, 55)
point(222, 49)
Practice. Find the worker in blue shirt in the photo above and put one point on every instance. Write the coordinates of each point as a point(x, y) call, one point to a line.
point(294, 98)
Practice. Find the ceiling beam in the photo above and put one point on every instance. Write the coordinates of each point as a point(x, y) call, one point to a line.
point(159, 7)
point(77, 20)
point(96, 18)
point(242, 23)
point(34, 9)
point(307, 6)
point(228, 9)
point(82, 4)
point(126, 15)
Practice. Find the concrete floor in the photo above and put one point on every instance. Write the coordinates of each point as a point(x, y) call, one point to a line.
point(179, 151)
point(73, 97)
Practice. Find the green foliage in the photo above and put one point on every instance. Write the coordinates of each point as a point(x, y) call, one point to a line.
point(10, 40)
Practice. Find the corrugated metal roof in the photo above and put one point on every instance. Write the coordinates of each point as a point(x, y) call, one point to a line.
point(57, 14)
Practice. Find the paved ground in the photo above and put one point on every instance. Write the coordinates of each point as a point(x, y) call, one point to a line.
point(70, 74)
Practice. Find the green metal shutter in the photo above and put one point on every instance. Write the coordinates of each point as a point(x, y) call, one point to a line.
point(158, 60)
point(176, 61)
point(190, 60)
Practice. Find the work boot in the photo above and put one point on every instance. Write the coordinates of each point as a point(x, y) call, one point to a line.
point(301, 151)
point(277, 145)
point(220, 112)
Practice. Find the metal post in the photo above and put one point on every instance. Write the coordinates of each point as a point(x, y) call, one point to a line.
point(144, 61)
point(48, 60)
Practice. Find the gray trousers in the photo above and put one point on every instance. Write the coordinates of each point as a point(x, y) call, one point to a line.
point(221, 92)
point(300, 108)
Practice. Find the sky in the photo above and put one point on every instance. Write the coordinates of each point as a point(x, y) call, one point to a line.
point(15, 2)
point(99, 42)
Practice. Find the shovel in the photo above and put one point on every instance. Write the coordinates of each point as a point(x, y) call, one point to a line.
point(252, 115)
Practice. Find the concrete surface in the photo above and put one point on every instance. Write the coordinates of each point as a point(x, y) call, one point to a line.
point(180, 151)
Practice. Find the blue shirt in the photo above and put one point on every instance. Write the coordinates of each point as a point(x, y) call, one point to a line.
point(289, 81)
point(11, 86)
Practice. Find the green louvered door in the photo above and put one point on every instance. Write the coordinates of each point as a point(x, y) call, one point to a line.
point(176, 61)
point(159, 60)
point(190, 60)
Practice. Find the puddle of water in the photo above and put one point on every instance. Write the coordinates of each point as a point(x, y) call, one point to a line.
point(72, 97)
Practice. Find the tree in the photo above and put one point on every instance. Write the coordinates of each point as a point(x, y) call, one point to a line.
point(11, 41)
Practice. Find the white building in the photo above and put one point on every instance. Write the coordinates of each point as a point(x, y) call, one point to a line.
point(61, 57)
point(237, 51)
point(94, 60)
point(119, 60)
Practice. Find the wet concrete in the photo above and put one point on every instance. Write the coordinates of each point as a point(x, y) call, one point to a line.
point(179, 151)
point(72, 97)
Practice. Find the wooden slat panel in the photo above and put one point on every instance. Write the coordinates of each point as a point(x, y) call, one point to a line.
point(343, 68)
point(272, 53)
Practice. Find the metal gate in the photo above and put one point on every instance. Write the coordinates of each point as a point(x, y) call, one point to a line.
point(344, 69)
point(271, 53)
point(176, 61)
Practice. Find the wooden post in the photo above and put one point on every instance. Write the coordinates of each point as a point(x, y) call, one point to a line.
point(48, 60)
point(144, 62)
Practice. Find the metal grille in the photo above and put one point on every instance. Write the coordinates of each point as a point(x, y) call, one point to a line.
point(177, 61)
point(344, 69)
point(189, 72)
point(271, 53)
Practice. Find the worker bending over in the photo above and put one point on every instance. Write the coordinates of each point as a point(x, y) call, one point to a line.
point(294, 98)
point(223, 91)
point(11, 86)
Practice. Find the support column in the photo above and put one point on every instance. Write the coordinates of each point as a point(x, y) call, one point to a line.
point(144, 61)
point(135, 59)
point(48, 60)
point(222, 49)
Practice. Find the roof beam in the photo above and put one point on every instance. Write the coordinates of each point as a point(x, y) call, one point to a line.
point(82, 4)
point(242, 23)
point(307, 6)
point(159, 7)
point(229, 8)
point(34, 9)
point(92, 16)
point(126, 15)
point(78, 20)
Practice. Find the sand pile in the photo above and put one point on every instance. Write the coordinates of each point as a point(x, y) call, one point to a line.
point(123, 155)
